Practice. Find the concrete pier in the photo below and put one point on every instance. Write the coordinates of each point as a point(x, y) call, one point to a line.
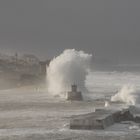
point(100, 119)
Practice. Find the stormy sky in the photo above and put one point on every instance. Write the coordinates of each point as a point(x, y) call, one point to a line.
point(108, 28)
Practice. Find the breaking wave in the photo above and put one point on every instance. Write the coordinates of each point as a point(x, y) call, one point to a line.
point(127, 94)
point(70, 67)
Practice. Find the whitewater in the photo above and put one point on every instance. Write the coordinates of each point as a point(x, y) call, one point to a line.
point(74, 67)
point(27, 113)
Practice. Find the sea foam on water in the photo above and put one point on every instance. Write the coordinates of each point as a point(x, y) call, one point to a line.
point(70, 67)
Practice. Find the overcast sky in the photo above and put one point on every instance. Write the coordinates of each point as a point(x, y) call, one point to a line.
point(108, 28)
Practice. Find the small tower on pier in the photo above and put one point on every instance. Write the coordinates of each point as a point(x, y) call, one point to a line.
point(74, 94)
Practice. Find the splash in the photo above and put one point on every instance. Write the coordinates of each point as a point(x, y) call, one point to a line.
point(107, 104)
point(126, 95)
point(70, 67)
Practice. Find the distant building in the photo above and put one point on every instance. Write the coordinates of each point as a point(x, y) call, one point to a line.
point(74, 94)
point(43, 66)
point(30, 59)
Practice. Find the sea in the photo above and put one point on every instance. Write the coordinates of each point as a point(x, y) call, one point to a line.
point(30, 113)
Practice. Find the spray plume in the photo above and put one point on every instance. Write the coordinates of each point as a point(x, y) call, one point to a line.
point(126, 94)
point(68, 68)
